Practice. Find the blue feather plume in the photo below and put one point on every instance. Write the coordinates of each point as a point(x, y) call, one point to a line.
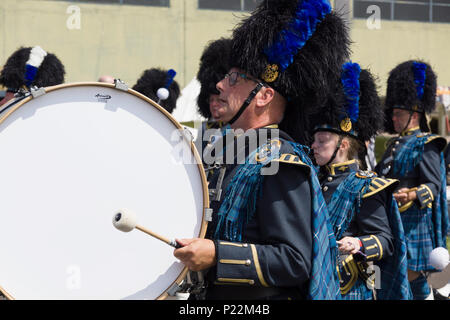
point(308, 15)
point(350, 82)
point(419, 78)
point(30, 74)
point(170, 75)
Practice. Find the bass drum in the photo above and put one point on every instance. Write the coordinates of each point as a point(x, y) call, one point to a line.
point(70, 159)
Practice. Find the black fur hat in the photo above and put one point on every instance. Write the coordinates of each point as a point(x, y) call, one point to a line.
point(214, 64)
point(297, 47)
point(16, 71)
point(154, 79)
point(354, 109)
point(411, 86)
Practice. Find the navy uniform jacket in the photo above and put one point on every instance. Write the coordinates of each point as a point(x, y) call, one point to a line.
point(274, 259)
point(426, 176)
point(371, 224)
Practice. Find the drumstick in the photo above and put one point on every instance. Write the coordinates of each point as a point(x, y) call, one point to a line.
point(125, 220)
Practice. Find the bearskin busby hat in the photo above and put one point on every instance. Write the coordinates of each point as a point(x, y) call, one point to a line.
point(411, 86)
point(297, 47)
point(354, 109)
point(160, 86)
point(31, 67)
point(214, 64)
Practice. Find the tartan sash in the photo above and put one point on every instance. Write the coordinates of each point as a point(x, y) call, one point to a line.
point(239, 206)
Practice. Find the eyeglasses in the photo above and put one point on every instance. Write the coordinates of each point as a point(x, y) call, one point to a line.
point(233, 76)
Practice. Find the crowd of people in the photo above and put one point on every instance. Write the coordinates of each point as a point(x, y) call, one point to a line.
point(323, 223)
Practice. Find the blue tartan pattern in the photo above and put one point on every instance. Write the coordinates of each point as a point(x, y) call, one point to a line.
point(344, 202)
point(409, 156)
point(426, 228)
point(239, 205)
point(394, 270)
point(394, 275)
point(359, 291)
point(418, 230)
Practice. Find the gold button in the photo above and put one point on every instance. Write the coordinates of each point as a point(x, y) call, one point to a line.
point(397, 142)
point(330, 179)
point(251, 282)
point(248, 262)
point(325, 188)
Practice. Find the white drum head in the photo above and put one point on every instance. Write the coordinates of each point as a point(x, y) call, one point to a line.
point(69, 160)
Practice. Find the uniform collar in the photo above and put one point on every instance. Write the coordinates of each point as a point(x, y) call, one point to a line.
point(411, 131)
point(343, 167)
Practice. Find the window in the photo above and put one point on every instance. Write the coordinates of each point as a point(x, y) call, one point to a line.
point(155, 3)
point(406, 10)
point(360, 9)
point(235, 5)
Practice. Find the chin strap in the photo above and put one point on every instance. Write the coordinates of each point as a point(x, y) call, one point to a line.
point(246, 102)
point(335, 151)
point(409, 120)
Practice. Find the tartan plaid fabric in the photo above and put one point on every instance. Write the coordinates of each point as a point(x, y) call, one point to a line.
point(409, 156)
point(345, 201)
point(427, 228)
point(440, 216)
point(324, 284)
point(420, 288)
point(359, 291)
point(394, 274)
point(418, 231)
point(239, 204)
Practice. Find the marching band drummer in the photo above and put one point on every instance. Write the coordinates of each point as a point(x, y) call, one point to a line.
point(28, 67)
point(360, 204)
point(214, 64)
point(269, 237)
point(415, 158)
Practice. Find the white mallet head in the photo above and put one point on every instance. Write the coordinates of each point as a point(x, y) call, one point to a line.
point(162, 93)
point(124, 220)
point(439, 258)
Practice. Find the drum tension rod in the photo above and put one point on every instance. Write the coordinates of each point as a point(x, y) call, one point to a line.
point(119, 84)
point(37, 92)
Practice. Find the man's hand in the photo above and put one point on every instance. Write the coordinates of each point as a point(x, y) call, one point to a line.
point(405, 195)
point(197, 254)
point(349, 245)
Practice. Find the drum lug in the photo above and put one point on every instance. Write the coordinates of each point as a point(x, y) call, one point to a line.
point(119, 84)
point(174, 289)
point(208, 214)
point(37, 92)
point(188, 135)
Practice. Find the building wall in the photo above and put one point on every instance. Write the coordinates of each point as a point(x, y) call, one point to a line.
point(121, 40)
point(382, 49)
point(124, 40)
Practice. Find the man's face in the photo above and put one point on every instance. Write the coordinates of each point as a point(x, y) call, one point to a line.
point(217, 108)
point(234, 90)
point(400, 119)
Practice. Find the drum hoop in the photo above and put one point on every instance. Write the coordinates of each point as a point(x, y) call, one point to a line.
point(194, 151)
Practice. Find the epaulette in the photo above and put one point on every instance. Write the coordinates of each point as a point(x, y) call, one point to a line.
point(291, 159)
point(377, 184)
point(441, 141)
point(274, 148)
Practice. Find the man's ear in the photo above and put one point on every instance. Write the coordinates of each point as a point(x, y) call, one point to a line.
point(265, 96)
